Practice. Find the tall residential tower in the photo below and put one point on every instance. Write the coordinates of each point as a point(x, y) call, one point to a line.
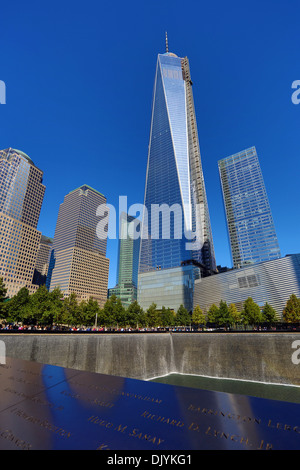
point(176, 224)
point(249, 219)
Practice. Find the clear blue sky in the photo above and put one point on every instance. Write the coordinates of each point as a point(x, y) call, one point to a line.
point(79, 79)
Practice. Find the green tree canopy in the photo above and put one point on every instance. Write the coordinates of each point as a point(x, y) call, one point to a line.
point(212, 314)
point(56, 302)
point(223, 316)
point(152, 316)
point(269, 314)
point(291, 312)
point(88, 311)
point(235, 314)
point(183, 318)
point(113, 312)
point(39, 311)
point(198, 317)
point(70, 310)
point(18, 307)
point(135, 315)
point(167, 317)
point(3, 298)
point(251, 312)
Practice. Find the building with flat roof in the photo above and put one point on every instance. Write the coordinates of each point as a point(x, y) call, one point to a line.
point(249, 219)
point(78, 261)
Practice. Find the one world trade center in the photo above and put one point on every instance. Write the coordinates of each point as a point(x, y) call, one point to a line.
point(176, 242)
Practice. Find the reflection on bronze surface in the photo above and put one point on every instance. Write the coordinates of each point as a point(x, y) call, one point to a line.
point(49, 407)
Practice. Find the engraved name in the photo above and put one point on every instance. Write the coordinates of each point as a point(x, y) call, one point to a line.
point(123, 428)
point(162, 419)
point(115, 391)
point(42, 423)
point(94, 401)
point(248, 419)
point(9, 435)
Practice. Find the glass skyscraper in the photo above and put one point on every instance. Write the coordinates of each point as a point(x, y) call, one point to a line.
point(21, 197)
point(174, 174)
point(250, 224)
point(176, 225)
point(128, 260)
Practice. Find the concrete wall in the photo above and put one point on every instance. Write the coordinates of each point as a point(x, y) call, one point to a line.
point(265, 357)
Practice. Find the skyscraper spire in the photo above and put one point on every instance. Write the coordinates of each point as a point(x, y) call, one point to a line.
point(167, 46)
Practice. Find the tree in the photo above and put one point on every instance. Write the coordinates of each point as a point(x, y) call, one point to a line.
point(152, 316)
point(212, 314)
point(235, 314)
point(18, 307)
point(291, 312)
point(88, 311)
point(223, 316)
point(101, 318)
point(198, 317)
point(39, 308)
point(183, 317)
point(134, 315)
point(109, 316)
point(70, 311)
point(167, 317)
point(113, 312)
point(120, 313)
point(56, 302)
point(3, 298)
point(269, 314)
point(251, 312)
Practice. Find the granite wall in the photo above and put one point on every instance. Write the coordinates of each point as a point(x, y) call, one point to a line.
point(265, 357)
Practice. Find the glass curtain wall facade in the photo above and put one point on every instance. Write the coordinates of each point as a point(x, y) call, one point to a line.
point(21, 197)
point(42, 261)
point(250, 224)
point(128, 260)
point(78, 262)
point(176, 225)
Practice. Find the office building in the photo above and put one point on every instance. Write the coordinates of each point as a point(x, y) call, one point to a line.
point(176, 225)
point(42, 261)
point(170, 287)
point(250, 224)
point(128, 260)
point(21, 197)
point(78, 262)
point(270, 281)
